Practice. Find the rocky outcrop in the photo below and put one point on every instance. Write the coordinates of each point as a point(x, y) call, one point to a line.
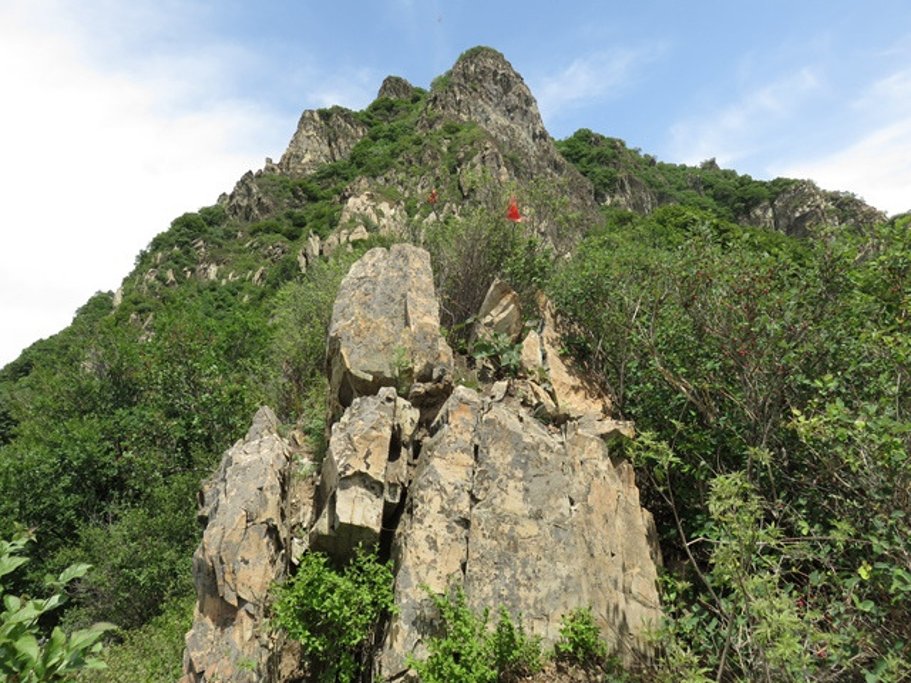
point(315, 248)
point(247, 202)
point(632, 194)
point(370, 212)
point(538, 521)
point(322, 136)
point(459, 489)
point(803, 206)
point(483, 88)
point(396, 88)
point(385, 332)
point(575, 395)
point(243, 551)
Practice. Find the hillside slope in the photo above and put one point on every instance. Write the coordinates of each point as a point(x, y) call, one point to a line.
point(755, 331)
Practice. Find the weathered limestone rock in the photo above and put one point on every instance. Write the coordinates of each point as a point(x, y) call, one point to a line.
point(499, 313)
point(364, 472)
point(246, 202)
point(359, 234)
point(574, 394)
point(534, 396)
point(605, 427)
point(385, 331)
point(243, 551)
point(371, 212)
point(321, 137)
point(330, 244)
point(631, 193)
point(521, 517)
point(431, 543)
point(483, 88)
point(312, 247)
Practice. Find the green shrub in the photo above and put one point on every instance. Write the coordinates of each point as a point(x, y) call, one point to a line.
point(469, 652)
point(150, 654)
point(470, 251)
point(27, 654)
point(334, 613)
point(773, 434)
point(516, 654)
point(500, 351)
point(300, 324)
point(580, 639)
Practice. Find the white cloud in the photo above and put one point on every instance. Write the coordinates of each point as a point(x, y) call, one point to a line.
point(97, 160)
point(592, 78)
point(739, 129)
point(875, 163)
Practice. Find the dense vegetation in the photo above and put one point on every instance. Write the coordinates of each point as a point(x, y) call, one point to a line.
point(613, 167)
point(768, 377)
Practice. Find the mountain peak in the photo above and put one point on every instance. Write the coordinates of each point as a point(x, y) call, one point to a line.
point(483, 87)
point(396, 88)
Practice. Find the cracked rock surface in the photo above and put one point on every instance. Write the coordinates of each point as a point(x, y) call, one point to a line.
point(520, 516)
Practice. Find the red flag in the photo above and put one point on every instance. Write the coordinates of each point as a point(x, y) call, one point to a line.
point(512, 213)
point(432, 197)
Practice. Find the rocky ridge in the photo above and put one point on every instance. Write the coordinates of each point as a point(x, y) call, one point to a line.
point(460, 487)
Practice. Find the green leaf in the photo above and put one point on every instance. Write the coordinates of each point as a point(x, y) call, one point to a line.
point(9, 564)
point(27, 646)
point(75, 571)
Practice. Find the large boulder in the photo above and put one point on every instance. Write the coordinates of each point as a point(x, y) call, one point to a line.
point(385, 332)
point(243, 551)
point(520, 516)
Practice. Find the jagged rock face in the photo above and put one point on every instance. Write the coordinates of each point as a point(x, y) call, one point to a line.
point(396, 88)
point(804, 206)
point(526, 518)
point(243, 551)
point(385, 331)
point(633, 195)
point(246, 202)
point(365, 210)
point(364, 474)
point(322, 137)
point(483, 88)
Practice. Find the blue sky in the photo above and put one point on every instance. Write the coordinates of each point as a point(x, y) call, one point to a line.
point(119, 115)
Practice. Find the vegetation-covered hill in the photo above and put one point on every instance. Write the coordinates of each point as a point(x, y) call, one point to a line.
point(757, 333)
